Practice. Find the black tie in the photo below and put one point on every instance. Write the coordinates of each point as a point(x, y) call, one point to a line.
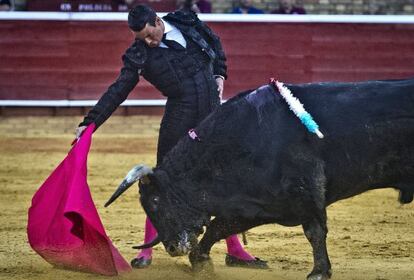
point(171, 43)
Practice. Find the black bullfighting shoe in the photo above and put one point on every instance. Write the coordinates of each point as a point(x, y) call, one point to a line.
point(141, 262)
point(256, 263)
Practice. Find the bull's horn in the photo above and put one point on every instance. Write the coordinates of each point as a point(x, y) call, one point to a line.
point(133, 175)
point(148, 245)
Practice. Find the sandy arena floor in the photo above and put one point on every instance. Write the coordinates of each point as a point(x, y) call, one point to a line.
point(371, 236)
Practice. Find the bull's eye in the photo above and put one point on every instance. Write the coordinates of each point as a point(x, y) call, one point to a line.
point(155, 200)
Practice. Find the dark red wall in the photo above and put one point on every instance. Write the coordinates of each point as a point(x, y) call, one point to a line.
point(96, 5)
point(79, 59)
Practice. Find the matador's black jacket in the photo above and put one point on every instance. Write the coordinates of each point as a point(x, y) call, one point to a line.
point(184, 75)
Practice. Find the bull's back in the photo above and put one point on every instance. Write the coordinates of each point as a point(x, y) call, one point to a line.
point(341, 104)
point(369, 133)
point(368, 130)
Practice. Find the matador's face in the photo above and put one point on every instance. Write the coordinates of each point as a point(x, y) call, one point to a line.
point(151, 35)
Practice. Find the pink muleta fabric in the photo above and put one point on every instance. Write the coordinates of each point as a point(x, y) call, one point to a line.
point(64, 226)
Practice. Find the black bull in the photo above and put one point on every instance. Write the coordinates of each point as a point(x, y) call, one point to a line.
point(254, 163)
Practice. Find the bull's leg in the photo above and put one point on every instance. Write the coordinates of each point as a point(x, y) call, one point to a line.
point(316, 231)
point(405, 197)
point(218, 229)
point(406, 192)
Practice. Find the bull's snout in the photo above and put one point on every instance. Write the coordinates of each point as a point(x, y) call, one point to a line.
point(176, 251)
point(186, 241)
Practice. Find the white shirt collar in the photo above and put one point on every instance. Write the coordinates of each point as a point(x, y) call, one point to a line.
point(173, 33)
point(167, 26)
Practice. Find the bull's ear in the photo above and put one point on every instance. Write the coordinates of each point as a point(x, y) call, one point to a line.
point(145, 180)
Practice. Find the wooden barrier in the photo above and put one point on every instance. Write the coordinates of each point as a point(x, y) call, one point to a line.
point(79, 59)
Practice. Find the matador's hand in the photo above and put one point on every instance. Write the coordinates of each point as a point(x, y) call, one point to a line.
point(79, 130)
point(78, 133)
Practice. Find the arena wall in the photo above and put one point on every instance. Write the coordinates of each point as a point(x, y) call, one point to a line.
point(78, 57)
point(330, 7)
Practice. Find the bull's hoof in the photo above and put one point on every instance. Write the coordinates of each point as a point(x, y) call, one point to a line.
point(201, 263)
point(405, 197)
point(205, 268)
point(319, 276)
point(141, 262)
point(236, 262)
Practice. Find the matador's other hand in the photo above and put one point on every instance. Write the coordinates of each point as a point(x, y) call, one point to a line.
point(220, 86)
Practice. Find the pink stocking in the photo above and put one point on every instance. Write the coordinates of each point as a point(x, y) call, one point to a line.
point(150, 234)
point(235, 249)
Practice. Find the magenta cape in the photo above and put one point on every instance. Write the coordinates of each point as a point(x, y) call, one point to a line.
point(64, 226)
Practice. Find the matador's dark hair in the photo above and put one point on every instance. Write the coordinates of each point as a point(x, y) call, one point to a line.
point(139, 16)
